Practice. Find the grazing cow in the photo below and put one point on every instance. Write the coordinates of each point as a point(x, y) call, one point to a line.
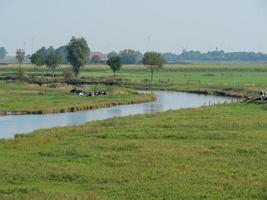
point(263, 94)
point(73, 90)
point(78, 92)
point(90, 94)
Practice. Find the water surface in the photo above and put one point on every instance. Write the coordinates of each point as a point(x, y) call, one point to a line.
point(10, 125)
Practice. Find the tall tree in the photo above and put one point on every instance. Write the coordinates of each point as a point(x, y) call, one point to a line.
point(3, 52)
point(49, 50)
point(43, 52)
point(78, 53)
point(153, 61)
point(63, 54)
point(129, 56)
point(37, 59)
point(112, 54)
point(52, 61)
point(115, 64)
point(20, 55)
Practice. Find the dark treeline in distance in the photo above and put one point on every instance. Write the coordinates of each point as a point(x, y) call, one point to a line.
point(61, 53)
point(130, 56)
point(3, 52)
point(217, 55)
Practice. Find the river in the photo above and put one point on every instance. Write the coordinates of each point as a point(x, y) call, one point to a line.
point(11, 125)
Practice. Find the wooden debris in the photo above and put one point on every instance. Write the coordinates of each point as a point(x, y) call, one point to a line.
point(261, 96)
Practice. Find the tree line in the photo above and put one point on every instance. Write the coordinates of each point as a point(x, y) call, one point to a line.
point(3, 52)
point(152, 60)
point(130, 56)
point(77, 52)
point(77, 55)
point(216, 55)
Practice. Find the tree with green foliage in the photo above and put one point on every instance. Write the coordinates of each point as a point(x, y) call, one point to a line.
point(154, 62)
point(78, 53)
point(112, 54)
point(43, 52)
point(3, 52)
point(20, 56)
point(115, 64)
point(63, 54)
point(37, 59)
point(49, 50)
point(129, 56)
point(52, 61)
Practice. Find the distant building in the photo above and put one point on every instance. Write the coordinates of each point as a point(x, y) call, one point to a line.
point(98, 57)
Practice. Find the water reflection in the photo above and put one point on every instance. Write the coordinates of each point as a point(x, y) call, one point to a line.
point(114, 110)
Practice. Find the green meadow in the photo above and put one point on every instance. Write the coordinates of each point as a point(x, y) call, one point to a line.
point(216, 152)
point(23, 98)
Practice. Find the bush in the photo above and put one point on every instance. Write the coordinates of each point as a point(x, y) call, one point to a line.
point(68, 75)
point(55, 85)
point(21, 75)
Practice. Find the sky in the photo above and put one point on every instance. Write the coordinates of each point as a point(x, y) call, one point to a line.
point(145, 25)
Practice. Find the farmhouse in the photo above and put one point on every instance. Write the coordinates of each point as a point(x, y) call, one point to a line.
point(102, 58)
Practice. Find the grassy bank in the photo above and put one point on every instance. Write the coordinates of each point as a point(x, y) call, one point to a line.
point(219, 152)
point(21, 98)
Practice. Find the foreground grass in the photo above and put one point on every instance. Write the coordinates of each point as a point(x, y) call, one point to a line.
point(218, 152)
point(21, 98)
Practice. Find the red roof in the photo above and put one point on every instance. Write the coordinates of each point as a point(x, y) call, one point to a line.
point(98, 54)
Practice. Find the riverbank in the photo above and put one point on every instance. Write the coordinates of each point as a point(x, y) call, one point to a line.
point(22, 98)
point(221, 78)
point(196, 89)
point(236, 79)
point(216, 152)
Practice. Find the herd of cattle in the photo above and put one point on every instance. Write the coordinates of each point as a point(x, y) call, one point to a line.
point(89, 94)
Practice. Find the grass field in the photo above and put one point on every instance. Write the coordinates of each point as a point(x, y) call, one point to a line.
point(22, 98)
point(218, 152)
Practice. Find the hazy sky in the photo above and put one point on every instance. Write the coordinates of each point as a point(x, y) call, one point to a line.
point(231, 25)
